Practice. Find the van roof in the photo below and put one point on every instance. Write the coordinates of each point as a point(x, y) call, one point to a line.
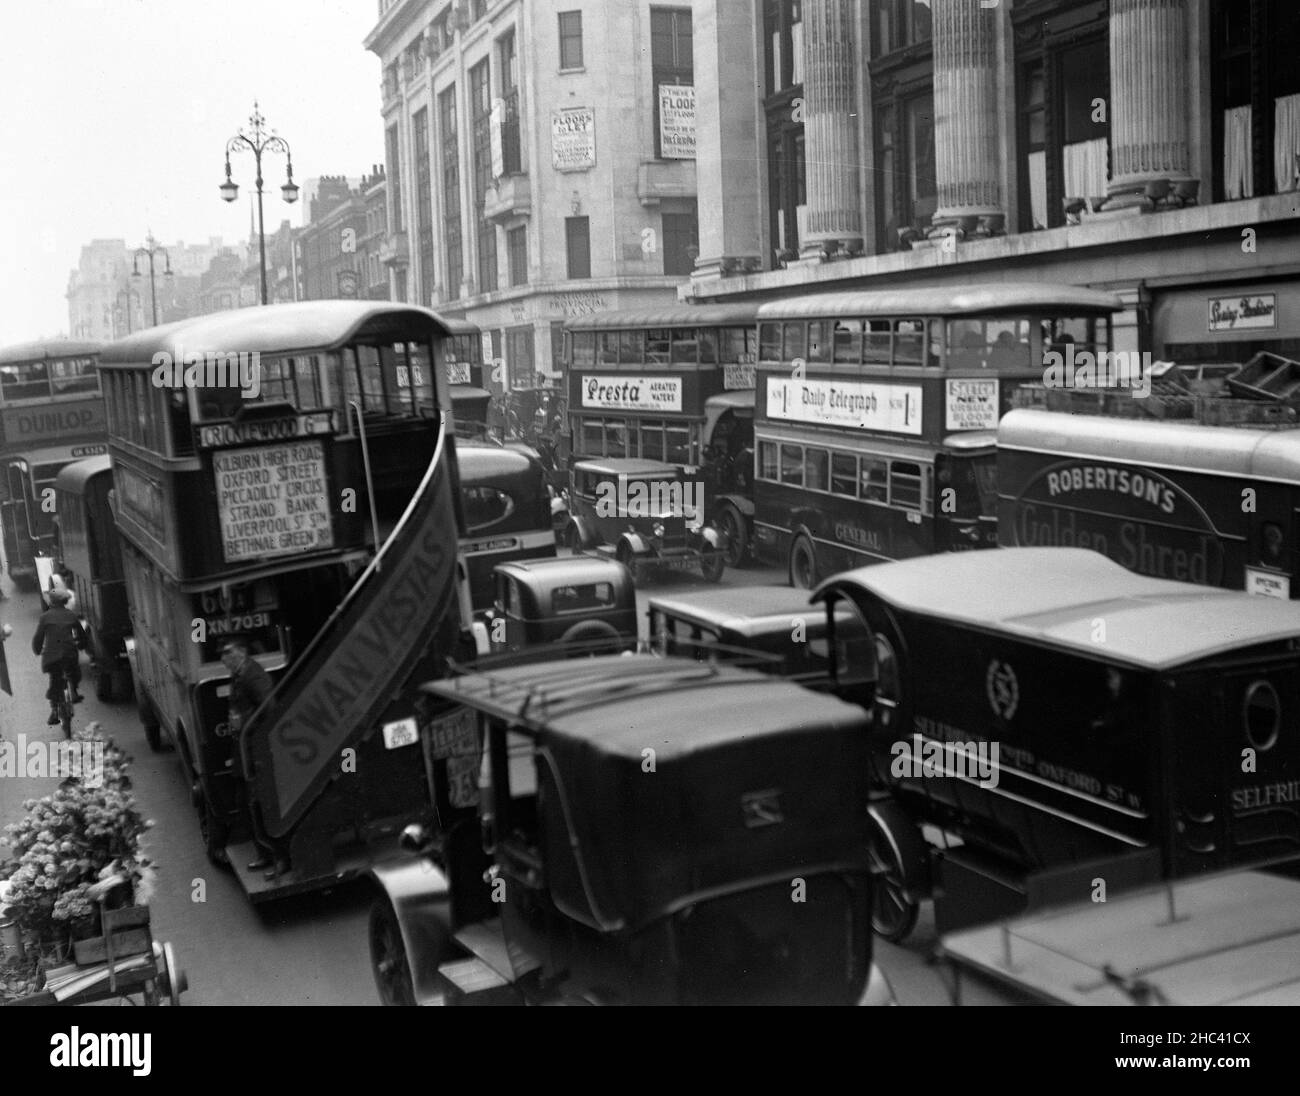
point(1056, 596)
point(742, 609)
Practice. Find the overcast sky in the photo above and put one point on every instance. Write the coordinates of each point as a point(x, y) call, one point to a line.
point(114, 116)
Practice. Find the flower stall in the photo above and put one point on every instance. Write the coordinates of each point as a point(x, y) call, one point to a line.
point(74, 914)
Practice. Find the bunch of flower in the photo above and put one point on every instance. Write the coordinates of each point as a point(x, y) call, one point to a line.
point(69, 841)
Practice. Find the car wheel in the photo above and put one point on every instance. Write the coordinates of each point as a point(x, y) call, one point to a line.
point(712, 563)
point(893, 910)
point(732, 526)
point(388, 956)
point(803, 564)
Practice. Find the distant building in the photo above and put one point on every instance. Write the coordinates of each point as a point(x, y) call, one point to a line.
point(92, 291)
point(531, 173)
point(338, 246)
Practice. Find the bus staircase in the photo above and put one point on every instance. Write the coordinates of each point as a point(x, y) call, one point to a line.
point(327, 814)
point(1264, 393)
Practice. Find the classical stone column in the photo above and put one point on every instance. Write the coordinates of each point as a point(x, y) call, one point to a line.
point(728, 140)
point(830, 58)
point(966, 116)
point(1149, 100)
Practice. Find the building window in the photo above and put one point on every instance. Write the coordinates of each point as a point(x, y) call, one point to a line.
point(577, 241)
point(680, 243)
point(424, 206)
point(394, 179)
point(517, 253)
point(519, 357)
point(1255, 97)
point(1063, 96)
point(570, 39)
point(481, 111)
point(508, 65)
point(783, 68)
point(897, 24)
point(670, 54)
point(451, 227)
point(907, 195)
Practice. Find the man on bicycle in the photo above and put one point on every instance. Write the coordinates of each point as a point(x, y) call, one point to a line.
point(59, 637)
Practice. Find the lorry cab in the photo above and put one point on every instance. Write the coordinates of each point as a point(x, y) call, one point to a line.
point(1048, 707)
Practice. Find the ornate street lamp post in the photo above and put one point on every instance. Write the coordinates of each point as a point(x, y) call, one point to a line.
point(151, 250)
point(259, 141)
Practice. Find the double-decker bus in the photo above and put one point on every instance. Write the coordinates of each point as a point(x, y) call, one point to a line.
point(673, 384)
point(876, 415)
point(295, 488)
point(1215, 505)
point(462, 357)
point(51, 413)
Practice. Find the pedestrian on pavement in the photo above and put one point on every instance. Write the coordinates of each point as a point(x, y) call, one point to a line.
point(58, 639)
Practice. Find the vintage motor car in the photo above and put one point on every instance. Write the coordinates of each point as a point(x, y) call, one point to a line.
point(658, 831)
point(582, 603)
point(1045, 707)
point(643, 513)
point(773, 628)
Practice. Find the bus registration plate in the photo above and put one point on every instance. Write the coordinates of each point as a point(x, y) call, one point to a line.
point(454, 735)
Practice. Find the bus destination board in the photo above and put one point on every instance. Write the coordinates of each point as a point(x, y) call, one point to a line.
point(272, 501)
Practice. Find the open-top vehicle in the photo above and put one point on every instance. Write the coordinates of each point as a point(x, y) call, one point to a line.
point(1045, 707)
point(657, 831)
point(643, 513)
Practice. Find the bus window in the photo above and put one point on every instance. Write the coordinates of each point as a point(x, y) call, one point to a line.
point(398, 398)
point(874, 480)
point(277, 380)
point(709, 346)
point(372, 381)
point(652, 440)
point(815, 461)
point(767, 462)
point(792, 465)
point(677, 445)
point(615, 438)
point(905, 485)
point(584, 348)
point(795, 341)
point(25, 381)
point(73, 376)
point(967, 345)
point(308, 381)
point(685, 346)
point(607, 347)
point(1008, 344)
point(658, 345)
point(631, 347)
point(485, 506)
point(848, 341)
point(875, 342)
point(739, 345)
point(844, 474)
point(819, 341)
point(769, 342)
point(909, 342)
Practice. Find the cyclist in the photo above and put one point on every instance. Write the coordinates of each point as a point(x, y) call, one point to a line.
point(59, 636)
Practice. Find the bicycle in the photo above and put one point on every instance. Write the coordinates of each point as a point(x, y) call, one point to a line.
point(65, 703)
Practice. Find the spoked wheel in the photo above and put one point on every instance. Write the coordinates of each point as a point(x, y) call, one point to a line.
point(893, 910)
point(732, 526)
point(803, 565)
point(388, 956)
point(65, 713)
point(627, 558)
